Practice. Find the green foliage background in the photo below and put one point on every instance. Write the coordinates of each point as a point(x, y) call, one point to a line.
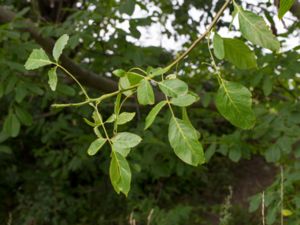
point(46, 175)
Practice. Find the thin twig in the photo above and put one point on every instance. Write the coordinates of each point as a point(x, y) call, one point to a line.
point(194, 44)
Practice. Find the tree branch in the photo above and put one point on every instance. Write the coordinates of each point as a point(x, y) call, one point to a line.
point(84, 76)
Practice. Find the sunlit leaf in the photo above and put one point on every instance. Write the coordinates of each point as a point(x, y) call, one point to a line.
point(145, 93)
point(52, 78)
point(234, 102)
point(255, 29)
point(184, 141)
point(96, 145)
point(120, 174)
point(59, 46)
point(153, 113)
point(38, 58)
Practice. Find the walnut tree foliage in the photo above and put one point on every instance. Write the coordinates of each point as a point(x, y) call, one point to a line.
point(93, 103)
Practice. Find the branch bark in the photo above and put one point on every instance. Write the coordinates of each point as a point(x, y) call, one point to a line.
point(86, 77)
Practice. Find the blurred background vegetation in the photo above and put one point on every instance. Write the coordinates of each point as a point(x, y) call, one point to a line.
point(46, 177)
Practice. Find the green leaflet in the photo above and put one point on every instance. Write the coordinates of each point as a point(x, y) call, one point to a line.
point(96, 145)
point(23, 116)
point(119, 172)
point(59, 46)
point(173, 88)
point(52, 78)
point(38, 58)
point(234, 102)
point(11, 125)
point(184, 141)
point(134, 78)
point(254, 29)
point(153, 72)
point(125, 117)
point(239, 54)
point(184, 100)
point(119, 73)
point(125, 84)
point(218, 45)
point(153, 113)
point(145, 93)
point(284, 6)
point(126, 140)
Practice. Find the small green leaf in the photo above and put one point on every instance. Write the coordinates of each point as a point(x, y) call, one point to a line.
point(111, 119)
point(96, 145)
point(125, 84)
point(254, 29)
point(235, 154)
point(125, 117)
point(145, 93)
point(218, 46)
point(173, 88)
point(284, 7)
point(184, 100)
point(38, 58)
point(120, 174)
point(234, 102)
point(184, 141)
point(153, 72)
point(11, 125)
point(126, 140)
point(89, 122)
point(97, 118)
point(52, 78)
point(134, 78)
point(119, 73)
point(23, 115)
point(153, 113)
point(59, 46)
point(239, 54)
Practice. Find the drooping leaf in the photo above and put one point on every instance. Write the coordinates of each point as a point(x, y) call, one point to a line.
point(59, 46)
point(52, 78)
point(96, 145)
point(254, 28)
point(38, 58)
point(173, 88)
point(284, 7)
point(145, 93)
point(239, 54)
point(120, 174)
point(218, 46)
point(184, 141)
point(153, 113)
point(126, 140)
point(184, 100)
point(234, 102)
point(12, 125)
point(125, 117)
